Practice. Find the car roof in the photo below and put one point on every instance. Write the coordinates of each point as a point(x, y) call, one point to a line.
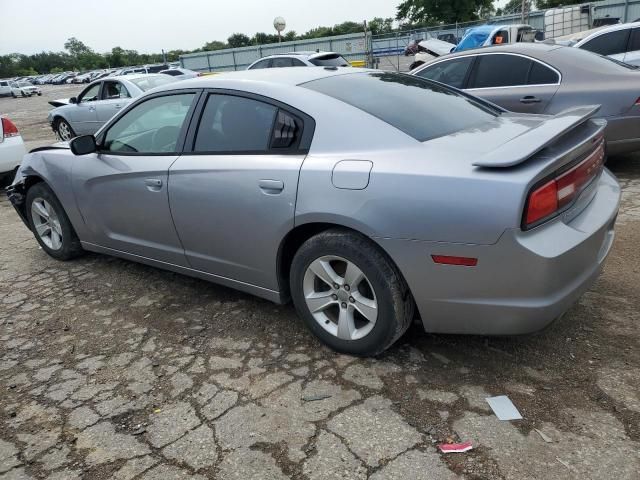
point(291, 76)
point(611, 28)
point(520, 47)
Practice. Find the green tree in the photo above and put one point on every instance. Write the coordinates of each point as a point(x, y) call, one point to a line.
point(214, 45)
point(439, 12)
point(542, 4)
point(379, 25)
point(238, 40)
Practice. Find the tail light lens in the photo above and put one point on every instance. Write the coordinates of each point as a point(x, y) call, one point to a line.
point(9, 128)
point(549, 199)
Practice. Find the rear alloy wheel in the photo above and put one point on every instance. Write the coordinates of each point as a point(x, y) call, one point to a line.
point(64, 130)
point(349, 293)
point(50, 224)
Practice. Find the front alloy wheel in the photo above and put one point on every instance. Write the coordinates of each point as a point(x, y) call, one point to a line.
point(50, 224)
point(64, 130)
point(340, 297)
point(46, 223)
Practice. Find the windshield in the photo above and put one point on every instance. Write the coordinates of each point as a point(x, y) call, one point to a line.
point(152, 81)
point(418, 107)
point(331, 60)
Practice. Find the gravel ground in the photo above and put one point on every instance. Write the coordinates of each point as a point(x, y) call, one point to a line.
point(110, 369)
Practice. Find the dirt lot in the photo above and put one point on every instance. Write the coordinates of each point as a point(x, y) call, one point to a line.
point(110, 369)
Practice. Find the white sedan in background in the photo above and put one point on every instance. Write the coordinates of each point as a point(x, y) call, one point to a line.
point(180, 73)
point(11, 150)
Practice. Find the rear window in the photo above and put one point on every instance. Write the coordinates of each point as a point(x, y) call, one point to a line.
point(152, 81)
point(332, 60)
point(418, 107)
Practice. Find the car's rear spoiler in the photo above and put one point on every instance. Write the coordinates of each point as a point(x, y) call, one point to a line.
point(524, 146)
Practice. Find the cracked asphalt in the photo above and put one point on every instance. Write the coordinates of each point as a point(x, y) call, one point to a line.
point(110, 369)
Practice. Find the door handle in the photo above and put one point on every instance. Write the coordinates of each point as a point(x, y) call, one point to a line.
point(117, 106)
point(92, 109)
point(530, 99)
point(271, 187)
point(153, 184)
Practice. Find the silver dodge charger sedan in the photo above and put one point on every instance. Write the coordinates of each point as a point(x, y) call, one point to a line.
point(361, 195)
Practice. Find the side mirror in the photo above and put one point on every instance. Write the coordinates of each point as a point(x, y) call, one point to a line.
point(73, 100)
point(83, 145)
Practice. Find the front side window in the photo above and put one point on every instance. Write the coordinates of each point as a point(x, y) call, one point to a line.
point(114, 90)
point(452, 72)
point(610, 43)
point(261, 64)
point(234, 124)
point(420, 108)
point(492, 71)
point(150, 127)
point(90, 94)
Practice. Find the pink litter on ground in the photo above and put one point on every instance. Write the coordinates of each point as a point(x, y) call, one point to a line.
point(455, 447)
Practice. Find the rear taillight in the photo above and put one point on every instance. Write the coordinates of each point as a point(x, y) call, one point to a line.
point(9, 128)
point(637, 104)
point(553, 196)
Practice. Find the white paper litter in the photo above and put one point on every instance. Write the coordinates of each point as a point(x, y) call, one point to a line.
point(503, 408)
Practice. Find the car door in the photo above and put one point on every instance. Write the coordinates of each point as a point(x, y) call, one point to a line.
point(121, 190)
point(514, 82)
point(233, 195)
point(113, 98)
point(82, 115)
point(632, 56)
point(453, 72)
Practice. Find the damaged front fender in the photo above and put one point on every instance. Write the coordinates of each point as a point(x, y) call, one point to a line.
point(17, 194)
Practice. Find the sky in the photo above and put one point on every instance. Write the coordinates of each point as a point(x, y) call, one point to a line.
point(151, 25)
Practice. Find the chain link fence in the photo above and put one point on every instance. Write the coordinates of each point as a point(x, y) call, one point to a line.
point(387, 52)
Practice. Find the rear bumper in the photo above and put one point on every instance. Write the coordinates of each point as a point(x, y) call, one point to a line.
point(522, 282)
point(623, 134)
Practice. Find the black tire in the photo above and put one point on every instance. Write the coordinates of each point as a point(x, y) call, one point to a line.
point(395, 303)
point(71, 247)
point(13, 94)
point(56, 126)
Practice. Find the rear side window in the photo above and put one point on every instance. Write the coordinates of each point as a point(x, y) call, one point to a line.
point(420, 108)
point(610, 43)
point(281, 62)
point(452, 72)
point(234, 125)
point(298, 63)
point(634, 45)
point(542, 75)
point(332, 60)
point(492, 71)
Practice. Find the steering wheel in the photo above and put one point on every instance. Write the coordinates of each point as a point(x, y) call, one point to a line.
point(164, 139)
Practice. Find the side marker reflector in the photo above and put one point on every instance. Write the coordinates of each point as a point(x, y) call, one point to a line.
point(449, 260)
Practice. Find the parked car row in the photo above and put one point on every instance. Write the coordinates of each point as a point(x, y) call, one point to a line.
point(21, 88)
point(99, 101)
